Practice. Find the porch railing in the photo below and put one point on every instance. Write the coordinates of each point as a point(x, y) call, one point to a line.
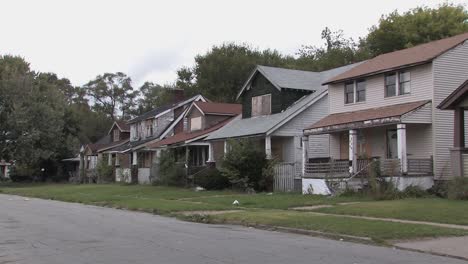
point(330, 169)
point(388, 167)
point(420, 166)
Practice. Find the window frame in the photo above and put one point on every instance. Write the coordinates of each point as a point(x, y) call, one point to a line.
point(200, 123)
point(262, 98)
point(346, 92)
point(400, 82)
point(356, 98)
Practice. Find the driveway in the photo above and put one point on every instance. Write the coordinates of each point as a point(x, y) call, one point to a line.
point(41, 231)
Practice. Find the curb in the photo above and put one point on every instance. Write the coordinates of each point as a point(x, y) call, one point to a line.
point(431, 253)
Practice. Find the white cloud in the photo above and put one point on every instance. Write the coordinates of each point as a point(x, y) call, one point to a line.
point(150, 40)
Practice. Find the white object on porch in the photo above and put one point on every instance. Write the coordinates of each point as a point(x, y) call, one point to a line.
point(353, 151)
point(401, 147)
point(268, 147)
point(135, 158)
point(144, 175)
point(315, 186)
point(117, 160)
point(305, 155)
point(210, 153)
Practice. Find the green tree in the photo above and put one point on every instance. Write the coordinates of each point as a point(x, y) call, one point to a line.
point(221, 72)
point(397, 31)
point(113, 94)
point(152, 96)
point(337, 51)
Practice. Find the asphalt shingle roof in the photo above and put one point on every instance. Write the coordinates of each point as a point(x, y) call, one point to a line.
point(261, 124)
point(402, 58)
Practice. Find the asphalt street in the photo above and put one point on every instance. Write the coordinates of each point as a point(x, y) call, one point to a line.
point(48, 232)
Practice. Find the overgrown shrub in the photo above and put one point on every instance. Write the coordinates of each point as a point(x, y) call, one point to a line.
point(458, 188)
point(104, 172)
point(247, 167)
point(413, 192)
point(171, 173)
point(439, 189)
point(212, 179)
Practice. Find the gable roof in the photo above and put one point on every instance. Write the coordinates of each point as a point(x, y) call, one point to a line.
point(121, 125)
point(416, 55)
point(185, 136)
point(159, 110)
point(261, 125)
point(367, 114)
point(283, 78)
point(219, 108)
point(455, 97)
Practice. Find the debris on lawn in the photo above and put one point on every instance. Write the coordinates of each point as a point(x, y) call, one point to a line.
point(199, 189)
point(235, 202)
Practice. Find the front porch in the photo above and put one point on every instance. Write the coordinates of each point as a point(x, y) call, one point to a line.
point(399, 149)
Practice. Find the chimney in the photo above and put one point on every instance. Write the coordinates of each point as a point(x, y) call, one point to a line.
point(177, 95)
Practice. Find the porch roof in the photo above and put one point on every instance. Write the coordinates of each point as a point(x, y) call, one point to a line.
point(455, 98)
point(267, 124)
point(364, 118)
point(186, 136)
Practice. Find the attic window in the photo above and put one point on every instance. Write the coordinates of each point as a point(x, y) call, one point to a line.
point(195, 123)
point(261, 105)
point(116, 135)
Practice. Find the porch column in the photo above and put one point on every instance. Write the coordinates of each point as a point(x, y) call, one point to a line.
point(210, 153)
point(117, 160)
point(458, 142)
point(401, 147)
point(225, 147)
point(305, 154)
point(158, 156)
point(268, 147)
point(134, 158)
point(109, 159)
point(352, 151)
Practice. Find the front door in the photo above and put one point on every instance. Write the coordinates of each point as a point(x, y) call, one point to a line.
point(392, 150)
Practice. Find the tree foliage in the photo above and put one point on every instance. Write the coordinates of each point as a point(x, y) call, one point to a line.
point(113, 93)
point(152, 96)
point(221, 72)
point(397, 31)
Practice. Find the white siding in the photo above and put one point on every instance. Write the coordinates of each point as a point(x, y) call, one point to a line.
point(335, 145)
point(319, 146)
point(421, 85)
point(309, 116)
point(419, 141)
point(420, 116)
point(450, 71)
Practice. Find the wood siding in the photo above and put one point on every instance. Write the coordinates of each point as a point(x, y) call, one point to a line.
point(280, 100)
point(450, 71)
point(420, 116)
point(421, 86)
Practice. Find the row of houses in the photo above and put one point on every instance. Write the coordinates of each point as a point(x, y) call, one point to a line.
point(317, 125)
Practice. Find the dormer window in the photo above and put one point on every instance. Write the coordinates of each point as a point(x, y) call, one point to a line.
point(116, 135)
point(196, 123)
point(355, 91)
point(149, 128)
point(261, 105)
point(397, 83)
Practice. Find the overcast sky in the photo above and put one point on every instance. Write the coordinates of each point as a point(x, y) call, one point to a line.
point(150, 40)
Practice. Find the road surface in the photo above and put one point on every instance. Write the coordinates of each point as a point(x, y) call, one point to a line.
point(48, 232)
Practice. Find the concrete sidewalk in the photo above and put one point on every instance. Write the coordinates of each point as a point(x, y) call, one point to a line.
point(450, 246)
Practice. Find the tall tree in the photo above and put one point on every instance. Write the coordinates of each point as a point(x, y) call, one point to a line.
point(337, 51)
point(154, 95)
point(221, 72)
point(397, 31)
point(113, 94)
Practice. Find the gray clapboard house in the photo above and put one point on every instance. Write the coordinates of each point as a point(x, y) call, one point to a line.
point(277, 104)
point(385, 109)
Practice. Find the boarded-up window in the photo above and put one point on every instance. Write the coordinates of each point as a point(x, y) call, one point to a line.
point(116, 135)
point(261, 105)
point(195, 123)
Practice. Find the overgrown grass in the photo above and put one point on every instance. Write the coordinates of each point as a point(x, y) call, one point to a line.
point(377, 230)
point(423, 209)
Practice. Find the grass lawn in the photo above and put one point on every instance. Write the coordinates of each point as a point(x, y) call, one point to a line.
point(377, 230)
point(266, 209)
point(423, 209)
